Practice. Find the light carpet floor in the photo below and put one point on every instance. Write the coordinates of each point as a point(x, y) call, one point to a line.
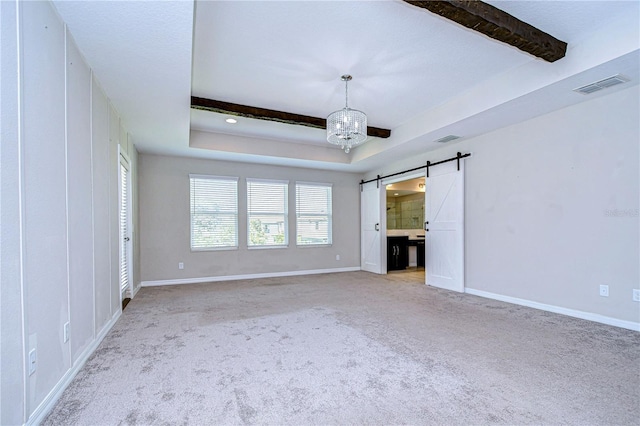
point(350, 348)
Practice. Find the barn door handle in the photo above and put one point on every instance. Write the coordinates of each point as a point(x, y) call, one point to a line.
point(425, 226)
point(377, 226)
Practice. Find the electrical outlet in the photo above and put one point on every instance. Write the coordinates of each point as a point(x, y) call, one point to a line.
point(181, 265)
point(32, 361)
point(66, 332)
point(636, 295)
point(604, 290)
point(337, 257)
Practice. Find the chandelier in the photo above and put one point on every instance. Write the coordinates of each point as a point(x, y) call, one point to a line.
point(347, 127)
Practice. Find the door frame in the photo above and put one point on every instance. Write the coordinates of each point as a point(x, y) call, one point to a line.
point(384, 183)
point(383, 218)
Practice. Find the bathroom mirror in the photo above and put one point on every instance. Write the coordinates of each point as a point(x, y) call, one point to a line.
point(405, 204)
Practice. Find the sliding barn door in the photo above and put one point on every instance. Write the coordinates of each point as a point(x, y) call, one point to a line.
point(370, 232)
point(444, 226)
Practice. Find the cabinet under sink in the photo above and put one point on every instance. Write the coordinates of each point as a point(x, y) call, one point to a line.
point(397, 253)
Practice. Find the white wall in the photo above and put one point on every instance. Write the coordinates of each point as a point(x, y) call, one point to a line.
point(551, 208)
point(79, 194)
point(165, 232)
point(44, 194)
point(112, 197)
point(135, 216)
point(101, 249)
point(12, 378)
point(59, 146)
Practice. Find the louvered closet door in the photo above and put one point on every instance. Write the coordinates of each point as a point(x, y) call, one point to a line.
point(124, 226)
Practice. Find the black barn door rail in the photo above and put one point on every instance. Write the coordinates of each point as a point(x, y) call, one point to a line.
point(457, 158)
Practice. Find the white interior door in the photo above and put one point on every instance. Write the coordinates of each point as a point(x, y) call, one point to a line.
point(125, 227)
point(371, 225)
point(444, 226)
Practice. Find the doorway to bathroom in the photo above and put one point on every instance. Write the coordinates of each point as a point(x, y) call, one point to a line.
point(443, 225)
point(405, 234)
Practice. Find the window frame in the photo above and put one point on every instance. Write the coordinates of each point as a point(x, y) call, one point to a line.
point(191, 212)
point(284, 214)
point(329, 214)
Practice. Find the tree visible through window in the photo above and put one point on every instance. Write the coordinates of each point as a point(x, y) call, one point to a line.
point(313, 214)
point(267, 213)
point(214, 212)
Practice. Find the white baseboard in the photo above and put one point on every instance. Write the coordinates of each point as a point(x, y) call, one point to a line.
point(246, 276)
point(52, 398)
point(136, 289)
point(635, 326)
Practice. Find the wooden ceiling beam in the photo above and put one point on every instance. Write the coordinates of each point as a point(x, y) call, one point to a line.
point(499, 25)
point(271, 115)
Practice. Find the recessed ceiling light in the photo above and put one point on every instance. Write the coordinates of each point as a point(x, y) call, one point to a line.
point(396, 194)
point(231, 120)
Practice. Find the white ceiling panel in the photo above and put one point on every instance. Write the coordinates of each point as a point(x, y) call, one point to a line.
point(416, 73)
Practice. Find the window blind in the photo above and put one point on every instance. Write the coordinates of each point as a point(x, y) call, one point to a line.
point(267, 213)
point(313, 214)
point(214, 212)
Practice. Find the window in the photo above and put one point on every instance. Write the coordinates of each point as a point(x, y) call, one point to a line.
point(214, 212)
point(313, 214)
point(267, 213)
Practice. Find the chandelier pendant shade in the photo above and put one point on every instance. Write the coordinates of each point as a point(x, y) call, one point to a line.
point(347, 127)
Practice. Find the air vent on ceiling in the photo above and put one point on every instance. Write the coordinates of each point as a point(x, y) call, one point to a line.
point(602, 84)
point(447, 139)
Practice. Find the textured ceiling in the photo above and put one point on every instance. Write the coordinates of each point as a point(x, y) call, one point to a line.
point(416, 73)
point(140, 51)
point(401, 57)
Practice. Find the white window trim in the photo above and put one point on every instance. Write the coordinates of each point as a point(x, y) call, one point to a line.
point(214, 177)
point(199, 176)
point(286, 214)
point(319, 184)
point(301, 182)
